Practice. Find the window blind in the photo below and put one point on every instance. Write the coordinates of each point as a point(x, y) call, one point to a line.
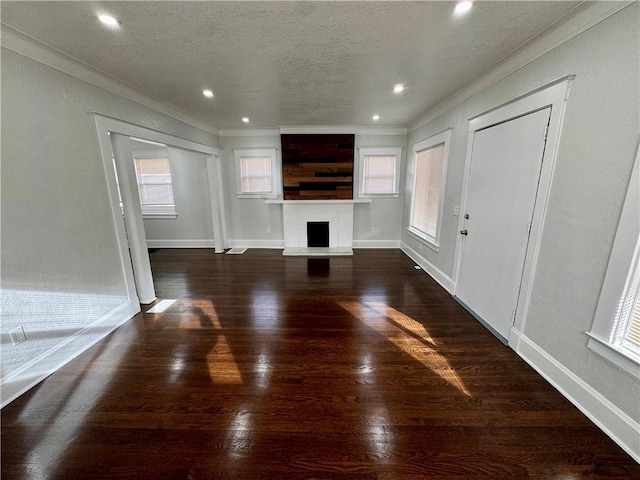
point(154, 181)
point(379, 174)
point(626, 326)
point(256, 174)
point(633, 332)
point(426, 200)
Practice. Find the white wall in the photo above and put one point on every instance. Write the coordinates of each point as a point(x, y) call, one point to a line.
point(61, 270)
point(384, 215)
point(249, 219)
point(193, 225)
point(596, 152)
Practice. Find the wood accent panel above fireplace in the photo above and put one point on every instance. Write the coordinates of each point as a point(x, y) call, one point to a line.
point(317, 167)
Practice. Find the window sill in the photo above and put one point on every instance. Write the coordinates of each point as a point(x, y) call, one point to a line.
point(159, 216)
point(429, 242)
point(379, 195)
point(619, 357)
point(258, 196)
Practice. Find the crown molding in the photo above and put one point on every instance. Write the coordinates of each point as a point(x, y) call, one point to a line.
point(381, 130)
point(317, 129)
point(250, 132)
point(342, 129)
point(313, 129)
point(581, 22)
point(28, 47)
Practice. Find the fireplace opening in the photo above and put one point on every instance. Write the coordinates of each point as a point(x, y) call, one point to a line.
point(317, 234)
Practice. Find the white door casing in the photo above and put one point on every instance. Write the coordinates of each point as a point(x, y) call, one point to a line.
point(503, 181)
point(137, 239)
point(133, 250)
point(532, 107)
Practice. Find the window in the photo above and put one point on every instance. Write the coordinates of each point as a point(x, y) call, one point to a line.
point(626, 332)
point(257, 173)
point(429, 171)
point(379, 172)
point(155, 186)
point(615, 333)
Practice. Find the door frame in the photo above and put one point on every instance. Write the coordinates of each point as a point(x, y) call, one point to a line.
point(133, 250)
point(554, 95)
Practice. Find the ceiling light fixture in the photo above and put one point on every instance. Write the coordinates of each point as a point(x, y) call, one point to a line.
point(109, 21)
point(376, 117)
point(245, 119)
point(398, 88)
point(207, 93)
point(463, 7)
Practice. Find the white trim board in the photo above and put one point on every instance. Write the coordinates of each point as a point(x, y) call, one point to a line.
point(250, 132)
point(36, 370)
point(190, 243)
point(42, 53)
point(340, 129)
point(113, 124)
point(239, 243)
point(610, 419)
point(580, 23)
point(434, 272)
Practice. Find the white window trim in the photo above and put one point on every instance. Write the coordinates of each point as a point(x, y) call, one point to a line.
point(377, 151)
point(433, 141)
point(615, 281)
point(160, 212)
point(276, 181)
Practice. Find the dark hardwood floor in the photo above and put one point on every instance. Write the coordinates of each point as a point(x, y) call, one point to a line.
point(271, 367)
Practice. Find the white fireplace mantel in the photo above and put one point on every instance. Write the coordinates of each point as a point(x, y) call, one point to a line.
point(339, 215)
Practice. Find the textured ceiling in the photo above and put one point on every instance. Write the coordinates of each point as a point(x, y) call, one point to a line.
point(290, 63)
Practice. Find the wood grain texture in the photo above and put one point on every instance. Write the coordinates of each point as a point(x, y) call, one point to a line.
point(271, 367)
point(317, 166)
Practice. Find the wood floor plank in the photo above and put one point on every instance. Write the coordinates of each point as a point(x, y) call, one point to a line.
point(271, 367)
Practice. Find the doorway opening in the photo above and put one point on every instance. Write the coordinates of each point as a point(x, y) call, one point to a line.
point(117, 140)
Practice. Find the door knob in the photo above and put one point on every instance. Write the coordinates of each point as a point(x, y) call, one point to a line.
point(463, 232)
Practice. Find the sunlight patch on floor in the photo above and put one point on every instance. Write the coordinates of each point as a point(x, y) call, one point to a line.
point(402, 320)
point(221, 363)
point(427, 356)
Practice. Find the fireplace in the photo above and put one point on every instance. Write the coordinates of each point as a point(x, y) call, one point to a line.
point(307, 222)
point(318, 234)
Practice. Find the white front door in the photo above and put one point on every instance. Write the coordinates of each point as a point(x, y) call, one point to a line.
point(506, 160)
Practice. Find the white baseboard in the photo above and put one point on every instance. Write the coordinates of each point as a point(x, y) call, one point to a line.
point(33, 372)
point(438, 275)
point(376, 244)
point(190, 243)
point(280, 243)
point(614, 422)
point(256, 243)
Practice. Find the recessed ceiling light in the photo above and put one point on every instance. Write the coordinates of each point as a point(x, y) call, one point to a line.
point(463, 7)
point(109, 21)
point(245, 119)
point(398, 88)
point(207, 93)
point(376, 118)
